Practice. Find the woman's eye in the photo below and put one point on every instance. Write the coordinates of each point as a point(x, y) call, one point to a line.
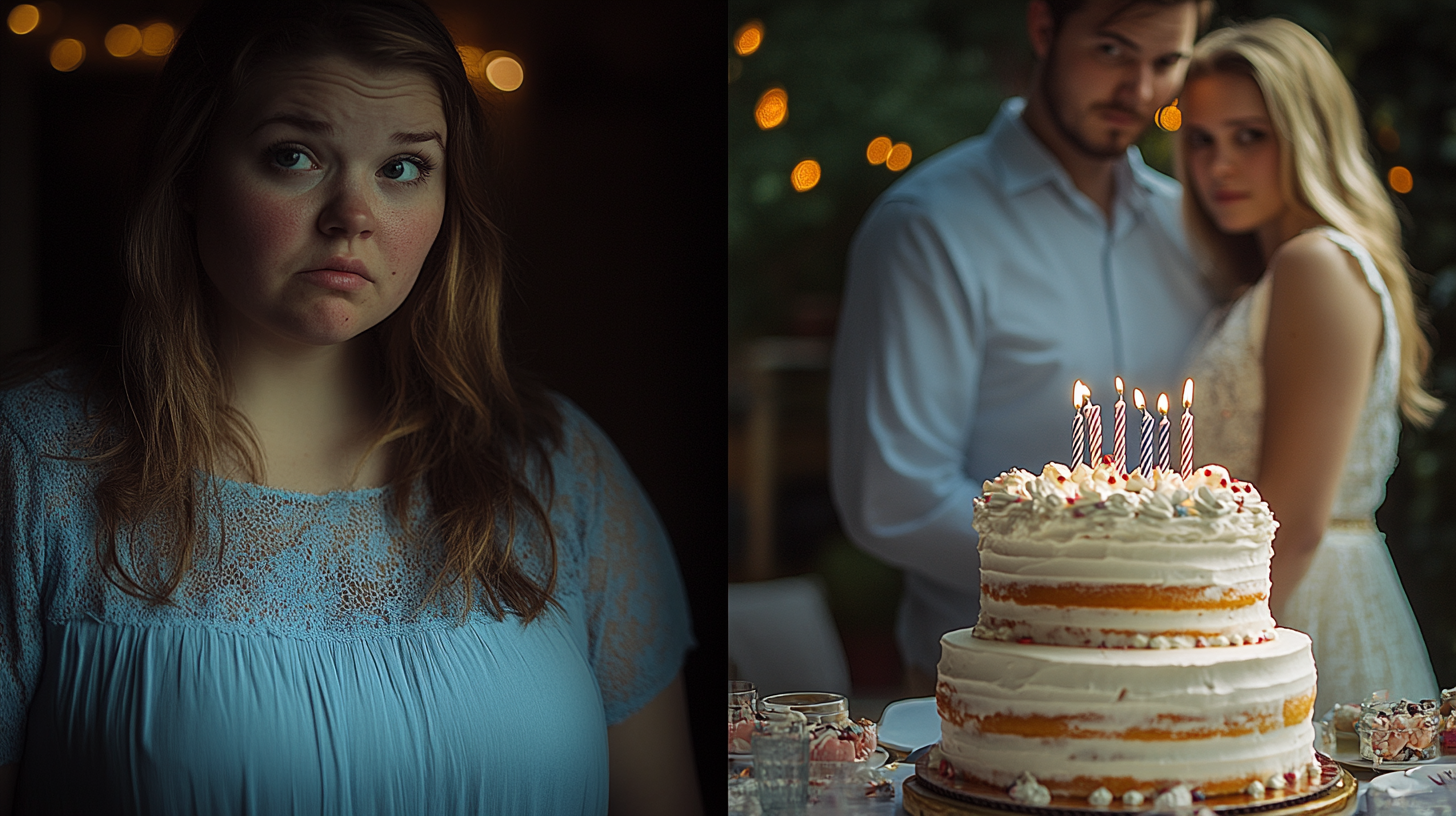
point(290, 159)
point(402, 170)
point(1110, 49)
point(1250, 135)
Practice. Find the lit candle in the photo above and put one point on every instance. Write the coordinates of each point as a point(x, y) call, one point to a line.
point(1119, 429)
point(1185, 430)
point(1163, 432)
point(1079, 427)
point(1145, 460)
point(1094, 430)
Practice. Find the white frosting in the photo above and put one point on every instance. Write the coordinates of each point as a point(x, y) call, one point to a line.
point(1078, 535)
point(1177, 796)
point(1255, 789)
point(1102, 797)
point(1221, 711)
point(1132, 798)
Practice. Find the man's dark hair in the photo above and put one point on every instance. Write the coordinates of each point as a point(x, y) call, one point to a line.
point(1062, 9)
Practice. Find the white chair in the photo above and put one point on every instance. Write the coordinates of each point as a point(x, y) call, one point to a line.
point(782, 637)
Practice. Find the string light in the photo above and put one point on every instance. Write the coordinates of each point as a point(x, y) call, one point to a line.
point(1400, 179)
point(879, 150)
point(123, 40)
point(748, 38)
point(504, 71)
point(67, 55)
point(23, 18)
point(899, 157)
point(1168, 117)
point(157, 39)
point(806, 174)
point(772, 109)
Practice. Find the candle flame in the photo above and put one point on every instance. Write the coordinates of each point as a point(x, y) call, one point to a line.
point(1080, 393)
point(1137, 399)
point(1163, 404)
point(1188, 393)
point(1117, 382)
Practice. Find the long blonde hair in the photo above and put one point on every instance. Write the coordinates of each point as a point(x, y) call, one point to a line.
point(1324, 169)
point(461, 422)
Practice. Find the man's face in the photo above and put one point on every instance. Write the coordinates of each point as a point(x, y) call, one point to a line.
point(1106, 73)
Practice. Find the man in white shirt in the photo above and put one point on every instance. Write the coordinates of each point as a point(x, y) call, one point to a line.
point(988, 280)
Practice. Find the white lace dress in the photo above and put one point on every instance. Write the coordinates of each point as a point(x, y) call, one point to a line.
point(1351, 602)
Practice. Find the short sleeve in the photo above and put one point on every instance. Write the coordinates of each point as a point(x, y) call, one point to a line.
point(22, 539)
point(638, 626)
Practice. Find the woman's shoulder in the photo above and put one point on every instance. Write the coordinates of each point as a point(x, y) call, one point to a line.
point(585, 449)
point(47, 412)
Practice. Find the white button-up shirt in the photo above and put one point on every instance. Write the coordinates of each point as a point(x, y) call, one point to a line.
point(980, 287)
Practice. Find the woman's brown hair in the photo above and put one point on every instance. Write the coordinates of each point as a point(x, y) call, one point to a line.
point(457, 418)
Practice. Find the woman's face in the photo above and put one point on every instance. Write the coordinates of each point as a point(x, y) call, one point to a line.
point(321, 193)
point(1231, 153)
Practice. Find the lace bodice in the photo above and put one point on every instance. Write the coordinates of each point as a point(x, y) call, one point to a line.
point(1228, 367)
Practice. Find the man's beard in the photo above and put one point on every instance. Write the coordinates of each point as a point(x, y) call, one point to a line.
point(1076, 139)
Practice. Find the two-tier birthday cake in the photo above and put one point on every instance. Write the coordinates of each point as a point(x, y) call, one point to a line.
point(1125, 647)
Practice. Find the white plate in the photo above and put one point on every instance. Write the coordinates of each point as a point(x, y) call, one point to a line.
point(909, 724)
point(1414, 780)
point(875, 760)
point(1354, 760)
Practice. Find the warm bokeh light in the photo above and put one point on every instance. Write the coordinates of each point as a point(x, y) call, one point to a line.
point(1388, 139)
point(23, 18)
point(67, 54)
point(772, 108)
point(899, 157)
point(1400, 179)
point(879, 150)
point(157, 39)
point(805, 176)
point(748, 38)
point(123, 40)
point(505, 72)
point(474, 61)
point(1169, 117)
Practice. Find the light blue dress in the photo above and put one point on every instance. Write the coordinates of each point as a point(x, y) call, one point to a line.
point(298, 671)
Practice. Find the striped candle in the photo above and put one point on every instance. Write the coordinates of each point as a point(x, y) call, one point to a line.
point(1185, 431)
point(1094, 432)
point(1163, 432)
point(1119, 430)
point(1145, 459)
point(1079, 426)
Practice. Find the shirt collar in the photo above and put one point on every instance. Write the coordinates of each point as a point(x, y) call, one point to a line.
point(1025, 163)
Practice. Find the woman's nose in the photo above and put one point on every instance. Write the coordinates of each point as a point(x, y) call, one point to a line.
point(348, 213)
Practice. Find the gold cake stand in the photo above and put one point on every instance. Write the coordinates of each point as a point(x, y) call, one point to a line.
point(927, 793)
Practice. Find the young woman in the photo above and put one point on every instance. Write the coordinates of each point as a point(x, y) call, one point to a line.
point(1302, 385)
point(307, 543)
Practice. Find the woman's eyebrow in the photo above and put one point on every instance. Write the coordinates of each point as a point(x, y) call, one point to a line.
point(418, 138)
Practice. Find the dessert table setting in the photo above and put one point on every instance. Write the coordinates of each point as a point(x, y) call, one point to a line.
point(1124, 660)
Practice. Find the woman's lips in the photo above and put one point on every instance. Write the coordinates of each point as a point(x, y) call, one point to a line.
point(335, 279)
point(1229, 198)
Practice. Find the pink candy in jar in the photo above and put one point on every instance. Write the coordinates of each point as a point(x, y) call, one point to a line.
point(742, 711)
point(834, 736)
point(1404, 731)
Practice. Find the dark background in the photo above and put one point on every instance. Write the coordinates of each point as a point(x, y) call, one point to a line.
point(609, 192)
point(933, 72)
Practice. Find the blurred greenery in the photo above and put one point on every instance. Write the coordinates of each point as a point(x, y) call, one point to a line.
point(932, 72)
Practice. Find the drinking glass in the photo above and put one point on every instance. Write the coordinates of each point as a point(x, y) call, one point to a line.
point(781, 763)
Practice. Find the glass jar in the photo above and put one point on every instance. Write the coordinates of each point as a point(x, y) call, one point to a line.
point(742, 711)
point(1403, 731)
point(835, 738)
point(1448, 722)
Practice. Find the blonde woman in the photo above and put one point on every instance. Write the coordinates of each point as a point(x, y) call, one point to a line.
point(1303, 382)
